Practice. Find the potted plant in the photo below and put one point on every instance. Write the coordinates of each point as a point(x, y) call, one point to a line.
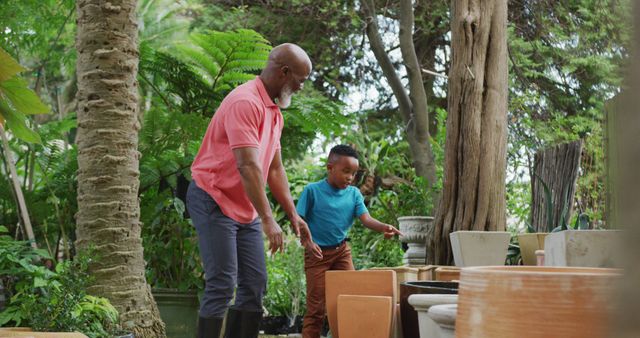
point(285, 298)
point(173, 267)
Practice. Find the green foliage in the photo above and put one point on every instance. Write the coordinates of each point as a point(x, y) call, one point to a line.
point(329, 31)
point(48, 300)
point(17, 100)
point(286, 289)
point(567, 59)
point(202, 73)
point(170, 244)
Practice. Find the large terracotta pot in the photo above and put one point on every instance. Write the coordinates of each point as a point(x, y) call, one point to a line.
point(534, 302)
point(356, 283)
point(408, 314)
point(365, 316)
point(27, 333)
point(403, 274)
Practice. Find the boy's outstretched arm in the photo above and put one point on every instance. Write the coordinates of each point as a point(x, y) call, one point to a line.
point(387, 229)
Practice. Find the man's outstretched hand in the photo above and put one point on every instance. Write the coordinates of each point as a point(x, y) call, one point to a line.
point(301, 230)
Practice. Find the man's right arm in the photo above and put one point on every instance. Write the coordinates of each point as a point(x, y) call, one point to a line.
point(248, 165)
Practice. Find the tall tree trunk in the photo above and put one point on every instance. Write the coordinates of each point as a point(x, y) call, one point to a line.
point(557, 167)
point(22, 206)
point(412, 104)
point(475, 151)
point(108, 177)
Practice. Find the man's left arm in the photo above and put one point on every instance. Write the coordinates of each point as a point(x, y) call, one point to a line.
point(279, 185)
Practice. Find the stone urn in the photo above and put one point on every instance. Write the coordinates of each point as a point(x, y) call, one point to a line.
point(535, 302)
point(414, 230)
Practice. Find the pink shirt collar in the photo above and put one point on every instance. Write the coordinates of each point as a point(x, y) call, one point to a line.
point(263, 93)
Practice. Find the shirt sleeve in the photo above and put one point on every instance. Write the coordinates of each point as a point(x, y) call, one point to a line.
point(360, 208)
point(242, 123)
point(305, 202)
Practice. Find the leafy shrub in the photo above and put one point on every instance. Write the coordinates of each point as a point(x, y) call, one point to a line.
point(49, 300)
point(286, 287)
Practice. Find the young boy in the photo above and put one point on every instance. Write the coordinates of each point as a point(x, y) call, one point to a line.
point(329, 207)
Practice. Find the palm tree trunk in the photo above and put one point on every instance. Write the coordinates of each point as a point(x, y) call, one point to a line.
point(108, 216)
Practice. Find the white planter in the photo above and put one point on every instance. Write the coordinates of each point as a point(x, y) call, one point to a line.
point(422, 303)
point(414, 230)
point(479, 248)
point(583, 248)
point(445, 316)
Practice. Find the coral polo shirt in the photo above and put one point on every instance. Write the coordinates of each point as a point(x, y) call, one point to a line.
point(247, 117)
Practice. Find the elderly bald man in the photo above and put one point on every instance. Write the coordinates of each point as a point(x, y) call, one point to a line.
point(227, 200)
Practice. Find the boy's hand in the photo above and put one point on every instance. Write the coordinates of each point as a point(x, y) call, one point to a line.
point(391, 231)
point(307, 242)
point(301, 229)
point(313, 248)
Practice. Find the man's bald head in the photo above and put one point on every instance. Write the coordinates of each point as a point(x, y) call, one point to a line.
point(287, 69)
point(291, 55)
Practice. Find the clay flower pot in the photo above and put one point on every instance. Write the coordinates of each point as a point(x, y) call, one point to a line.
point(356, 283)
point(534, 302)
point(403, 274)
point(6, 332)
point(365, 316)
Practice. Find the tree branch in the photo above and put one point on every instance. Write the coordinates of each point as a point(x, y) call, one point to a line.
point(377, 46)
point(417, 95)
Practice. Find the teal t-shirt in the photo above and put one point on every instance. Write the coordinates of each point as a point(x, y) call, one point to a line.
point(330, 211)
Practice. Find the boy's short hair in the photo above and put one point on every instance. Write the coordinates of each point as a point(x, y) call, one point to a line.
point(342, 150)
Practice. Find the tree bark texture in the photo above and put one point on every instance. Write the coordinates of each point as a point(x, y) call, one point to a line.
point(413, 104)
point(473, 196)
point(108, 217)
point(557, 166)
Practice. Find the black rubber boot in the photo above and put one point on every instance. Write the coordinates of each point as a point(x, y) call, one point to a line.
point(209, 327)
point(242, 324)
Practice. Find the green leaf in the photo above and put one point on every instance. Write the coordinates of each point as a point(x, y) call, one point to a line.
point(43, 253)
point(16, 123)
point(21, 97)
point(8, 66)
point(39, 282)
point(3, 229)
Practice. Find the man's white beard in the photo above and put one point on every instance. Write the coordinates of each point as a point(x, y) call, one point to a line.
point(284, 100)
